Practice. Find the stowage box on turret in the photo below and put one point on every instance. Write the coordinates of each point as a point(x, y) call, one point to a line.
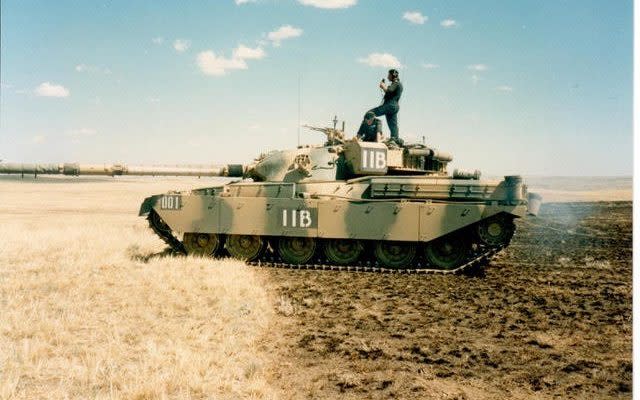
point(344, 203)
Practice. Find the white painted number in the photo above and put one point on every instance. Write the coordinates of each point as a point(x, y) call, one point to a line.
point(381, 160)
point(296, 218)
point(170, 202)
point(305, 218)
point(374, 159)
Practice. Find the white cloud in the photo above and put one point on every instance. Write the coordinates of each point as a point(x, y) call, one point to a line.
point(240, 2)
point(430, 66)
point(477, 67)
point(181, 45)
point(218, 65)
point(415, 17)
point(381, 60)
point(475, 79)
point(82, 132)
point(211, 64)
point(5, 85)
point(329, 3)
point(92, 69)
point(448, 23)
point(153, 99)
point(504, 88)
point(38, 139)
point(47, 89)
point(282, 33)
point(157, 40)
point(243, 52)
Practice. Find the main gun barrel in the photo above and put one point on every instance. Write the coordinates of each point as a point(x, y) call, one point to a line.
point(75, 169)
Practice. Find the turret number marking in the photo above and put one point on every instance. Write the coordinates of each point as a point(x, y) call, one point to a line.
point(374, 159)
point(170, 202)
point(294, 218)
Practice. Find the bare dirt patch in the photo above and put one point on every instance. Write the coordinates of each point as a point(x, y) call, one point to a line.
point(550, 317)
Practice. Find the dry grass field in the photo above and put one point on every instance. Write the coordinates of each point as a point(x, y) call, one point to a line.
point(81, 316)
point(91, 307)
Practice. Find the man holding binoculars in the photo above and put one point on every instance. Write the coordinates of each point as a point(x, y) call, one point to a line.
point(390, 105)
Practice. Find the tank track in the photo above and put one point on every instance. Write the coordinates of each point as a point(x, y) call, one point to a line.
point(478, 259)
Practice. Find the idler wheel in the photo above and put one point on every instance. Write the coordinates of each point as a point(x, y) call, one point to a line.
point(201, 244)
point(447, 252)
point(245, 247)
point(296, 250)
point(395, 254)
point(497, 230)
point(342, 251)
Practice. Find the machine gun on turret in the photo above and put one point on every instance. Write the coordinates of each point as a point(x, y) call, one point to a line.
point(334, 136)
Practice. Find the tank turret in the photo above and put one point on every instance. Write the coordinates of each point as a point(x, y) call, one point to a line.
point(338, 159)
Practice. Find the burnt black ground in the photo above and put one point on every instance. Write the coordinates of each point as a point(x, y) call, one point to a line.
point(549, 317)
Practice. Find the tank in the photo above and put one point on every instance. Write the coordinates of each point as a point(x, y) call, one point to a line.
point(341, 204)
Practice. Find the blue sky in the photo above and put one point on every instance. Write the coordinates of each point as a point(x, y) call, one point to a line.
point(529, 87)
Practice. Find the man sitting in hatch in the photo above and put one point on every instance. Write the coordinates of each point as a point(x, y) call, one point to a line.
point(370, 129)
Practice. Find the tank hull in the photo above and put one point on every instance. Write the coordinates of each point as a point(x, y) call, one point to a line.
point(418, 221)
point(413, 212)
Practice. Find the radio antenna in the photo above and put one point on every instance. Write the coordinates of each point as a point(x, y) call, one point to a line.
point(299, 104)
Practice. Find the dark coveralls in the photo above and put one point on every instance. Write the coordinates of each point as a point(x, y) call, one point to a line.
point(390, 107)
point(369, 133)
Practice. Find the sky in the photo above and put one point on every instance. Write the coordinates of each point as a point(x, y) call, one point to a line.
point(508, 87)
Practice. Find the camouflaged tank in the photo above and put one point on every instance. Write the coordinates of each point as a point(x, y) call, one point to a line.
point(344, 203)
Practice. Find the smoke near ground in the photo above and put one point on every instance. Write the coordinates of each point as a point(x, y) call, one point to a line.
point(581, 189)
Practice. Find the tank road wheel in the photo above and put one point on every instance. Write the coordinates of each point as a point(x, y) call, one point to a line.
point(296, 250)
point(342, 251)
point(245, 247)
point(201, 244)
point(497, 230)
point(395, 254)
point(447, 252)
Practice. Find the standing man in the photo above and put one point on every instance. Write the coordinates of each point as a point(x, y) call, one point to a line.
point(390, 105)
point(370, 129)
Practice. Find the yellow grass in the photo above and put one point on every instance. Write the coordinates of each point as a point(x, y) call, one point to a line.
point(83, 316)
